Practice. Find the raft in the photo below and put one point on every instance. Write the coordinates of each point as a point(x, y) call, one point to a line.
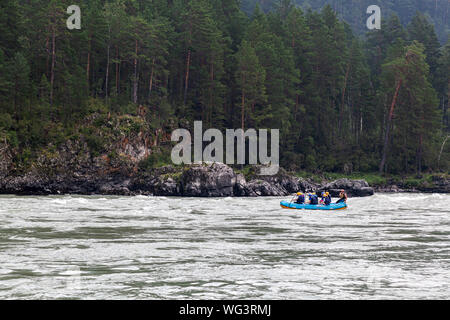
point(293, 205)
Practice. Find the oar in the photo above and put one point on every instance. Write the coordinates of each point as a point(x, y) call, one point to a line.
point(290, 202)
point(293, 198)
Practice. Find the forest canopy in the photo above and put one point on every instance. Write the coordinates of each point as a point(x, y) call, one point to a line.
point(354, 11)
point(343, 102)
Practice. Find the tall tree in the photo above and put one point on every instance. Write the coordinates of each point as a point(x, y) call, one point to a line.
point(416, 114)
point(250, 77)
point(421, 30)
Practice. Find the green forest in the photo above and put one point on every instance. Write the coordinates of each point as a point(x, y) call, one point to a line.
point(344, 98)
point(354, 11)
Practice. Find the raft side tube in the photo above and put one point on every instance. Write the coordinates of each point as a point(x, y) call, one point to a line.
point(333, 206)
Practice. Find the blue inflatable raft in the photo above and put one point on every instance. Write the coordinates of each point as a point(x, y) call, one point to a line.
point(333, 206)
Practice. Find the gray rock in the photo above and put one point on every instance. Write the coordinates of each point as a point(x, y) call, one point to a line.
point(208, 180)
point(281, 184)
point(166, 187)
point(364, 192)
point(264, 188)
point(72, 169)
point(241, 188)
point(355, 188)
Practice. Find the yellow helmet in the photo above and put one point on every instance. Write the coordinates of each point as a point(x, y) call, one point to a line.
point(299, 193)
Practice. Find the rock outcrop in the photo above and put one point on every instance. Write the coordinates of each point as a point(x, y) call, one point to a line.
point(434, 184)
point(281, 184)
point(197, 180)
point(71, 169)
point(354, 188)
point(439, 184)
point(220, 180)
point(208, 180)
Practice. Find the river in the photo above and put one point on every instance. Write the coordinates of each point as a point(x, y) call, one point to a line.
point(389, 246)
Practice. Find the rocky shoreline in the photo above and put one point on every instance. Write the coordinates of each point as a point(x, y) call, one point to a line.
point(198, 180)
point(73, 170)
point(438, 185)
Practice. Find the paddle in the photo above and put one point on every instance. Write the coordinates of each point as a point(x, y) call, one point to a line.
point(293, 198)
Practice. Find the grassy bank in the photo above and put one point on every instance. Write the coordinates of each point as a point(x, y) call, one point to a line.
point(378, 181)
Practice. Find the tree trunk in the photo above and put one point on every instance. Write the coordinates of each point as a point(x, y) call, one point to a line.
point(186, 83)
point(243, 119)
point(419, 155)
point(135, 80)
point(117, 69)
point(243, 104)
point(440, 153)
point(16, 89)
point(107, 73)
point(151, 81)
point(52, 72)
point(211, 105)
point(388, 126)
point(47, 48)
point(341, 112)
point(448, 102)
point(88, 66)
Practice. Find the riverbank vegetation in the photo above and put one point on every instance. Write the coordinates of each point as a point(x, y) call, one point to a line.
point(377, 181)
point(344, 102)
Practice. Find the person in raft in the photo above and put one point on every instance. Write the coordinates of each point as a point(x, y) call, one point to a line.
point(313, 199)
point(301, 198)
point(327, 199)
point(342, 196)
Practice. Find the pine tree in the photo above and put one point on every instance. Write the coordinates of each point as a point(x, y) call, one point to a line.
point(444, 84)
point(421, 30)
point(306, 72)
point(21, 82)
point(413, 104)
point(250, 77)
point(55, 15)
point(95, 34)
point(139, 31)
point(5, 82)
point(204, 50)
point(10, 26)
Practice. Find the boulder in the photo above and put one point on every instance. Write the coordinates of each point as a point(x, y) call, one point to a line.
point(119, 188)
point(355, 188)
point(264, 188)
point(281, 184)
point(241, 188)
point(166, 187)
point(440, 184)
point(208, 180)
point(364, 192)
point(163, 181)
